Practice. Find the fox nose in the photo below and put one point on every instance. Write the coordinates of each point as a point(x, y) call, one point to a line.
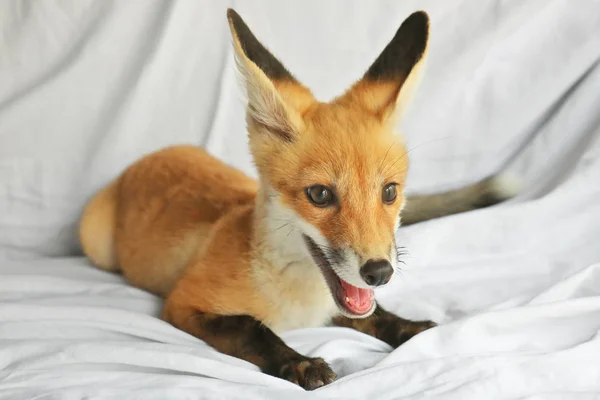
point(376, 272)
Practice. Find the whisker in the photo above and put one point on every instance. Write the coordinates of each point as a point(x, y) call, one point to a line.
point(386, 154)
point(390, 166)
point(282, 226)
point(413, 148)
point(399, 271)
point(401, 251)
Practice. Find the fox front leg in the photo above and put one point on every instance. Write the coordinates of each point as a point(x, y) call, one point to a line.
point(245, 337)
point(385, 326)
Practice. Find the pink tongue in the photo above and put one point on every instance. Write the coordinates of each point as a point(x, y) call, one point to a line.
point(358, 300)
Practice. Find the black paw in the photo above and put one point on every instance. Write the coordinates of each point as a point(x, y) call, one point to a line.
point(309, 373)
point(405, 330)
point(420, 326)
point(413, 328)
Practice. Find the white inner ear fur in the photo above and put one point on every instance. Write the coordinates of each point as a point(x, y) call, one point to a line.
point(407, 91)
point(265, 105)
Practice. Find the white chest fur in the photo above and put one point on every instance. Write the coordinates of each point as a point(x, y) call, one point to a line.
point(298, 296)
point(292, 283)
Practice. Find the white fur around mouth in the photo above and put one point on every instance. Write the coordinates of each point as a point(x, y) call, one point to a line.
point(352, 301)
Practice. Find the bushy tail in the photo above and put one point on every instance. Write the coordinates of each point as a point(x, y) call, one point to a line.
point(97, 228)
point(485, 193)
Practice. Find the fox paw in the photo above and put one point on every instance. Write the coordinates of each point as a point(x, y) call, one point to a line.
point(407, 330)
point(420, 326)
point(309, 373)
point(413, 328)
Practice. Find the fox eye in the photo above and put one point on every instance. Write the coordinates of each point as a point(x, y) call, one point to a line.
point(319, 195)
point(389, 193)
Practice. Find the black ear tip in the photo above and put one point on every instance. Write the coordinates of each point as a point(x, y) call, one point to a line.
point(254, 50)
point(404, 51)
point(231, 13)
point(233, 17)
point(419, 20)
point(238, 26)
point(421, 14)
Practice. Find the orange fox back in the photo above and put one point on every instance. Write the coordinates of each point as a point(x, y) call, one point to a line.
point(160, 212)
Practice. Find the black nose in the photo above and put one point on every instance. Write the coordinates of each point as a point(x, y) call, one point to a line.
point(376, 272)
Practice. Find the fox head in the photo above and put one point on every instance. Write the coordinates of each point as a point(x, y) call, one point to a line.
point(334, 172)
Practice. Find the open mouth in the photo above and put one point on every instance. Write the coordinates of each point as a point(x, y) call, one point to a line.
point(350, 299)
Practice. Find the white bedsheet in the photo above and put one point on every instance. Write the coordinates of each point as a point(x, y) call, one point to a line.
point(87, 86)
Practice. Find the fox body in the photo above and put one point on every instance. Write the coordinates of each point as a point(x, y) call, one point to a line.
point(239, 261)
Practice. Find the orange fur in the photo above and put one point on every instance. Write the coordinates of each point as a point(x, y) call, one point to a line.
point(215, 243)
point(184, 225)
point(163, 209)
point(349, 149)
point(98, 220)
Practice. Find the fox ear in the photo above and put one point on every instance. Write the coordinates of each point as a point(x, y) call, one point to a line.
point(276, 100)
point(385, 89)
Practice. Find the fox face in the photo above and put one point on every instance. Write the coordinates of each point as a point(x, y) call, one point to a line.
point(334, 170)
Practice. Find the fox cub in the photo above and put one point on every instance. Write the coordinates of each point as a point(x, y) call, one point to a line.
point(239, 261)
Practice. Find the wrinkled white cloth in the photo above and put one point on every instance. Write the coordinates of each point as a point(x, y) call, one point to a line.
point(88, 86)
